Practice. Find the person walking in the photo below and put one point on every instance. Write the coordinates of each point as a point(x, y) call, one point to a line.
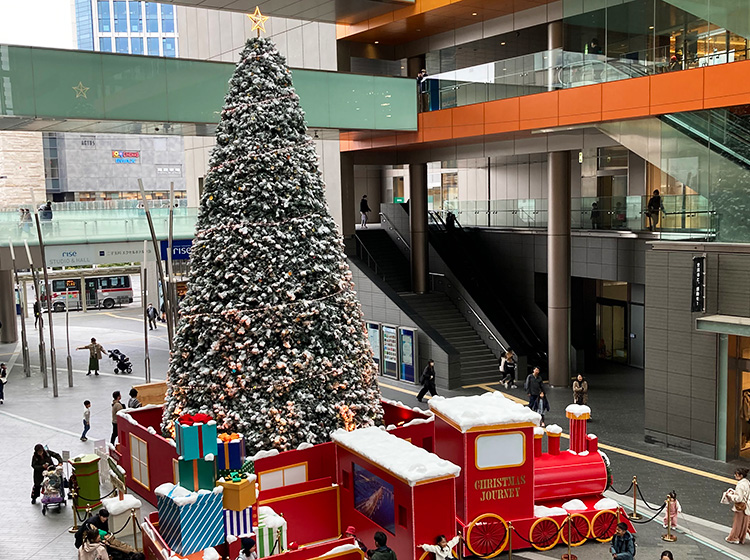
point(152, 315)
point(427, 379)
point(508, 370)
point(738, 497)
point(41, 460)
point(96, 351)
point(364, 209)
point(674, 509)
point(580, 390)
point(653, 210)
point(596, 216)
point(86, 419)
point(117, 406)
point(3, 381)
point(534, 387)
point(133, 402)
point(37, 314)
point(623, 545)
point(541, 407)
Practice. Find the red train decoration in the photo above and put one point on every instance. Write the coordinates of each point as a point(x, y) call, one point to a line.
point(473, 464)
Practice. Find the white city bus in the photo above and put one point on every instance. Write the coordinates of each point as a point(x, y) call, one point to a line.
point(101, 291)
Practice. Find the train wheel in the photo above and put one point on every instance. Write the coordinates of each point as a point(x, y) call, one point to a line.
point(544, 533)
point(487, 535)
point(603, 525)
point(580, 528)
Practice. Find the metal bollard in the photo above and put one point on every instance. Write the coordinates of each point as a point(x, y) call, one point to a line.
point(510, 540)
point(635, 514)
point(74, 528)
point(569, 555)
point(135, 529)
point(669, 537)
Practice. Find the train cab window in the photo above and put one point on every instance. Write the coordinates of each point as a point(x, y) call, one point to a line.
point(500, 450)
point(283, 477)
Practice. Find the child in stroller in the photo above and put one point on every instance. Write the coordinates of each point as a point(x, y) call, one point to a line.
point(53, 491)
point(122, 362)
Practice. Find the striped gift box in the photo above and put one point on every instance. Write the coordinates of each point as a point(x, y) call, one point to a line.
point(238, 523)
point(270, 535)
point(191, 527)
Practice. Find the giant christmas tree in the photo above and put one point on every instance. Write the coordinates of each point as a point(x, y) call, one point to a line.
point(270, 340)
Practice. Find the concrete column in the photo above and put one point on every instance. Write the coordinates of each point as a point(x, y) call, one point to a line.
point(558, 268)
point(722, 398)
point(349, 207)
point(554, 41)
point(9, 332)
point(420, 265)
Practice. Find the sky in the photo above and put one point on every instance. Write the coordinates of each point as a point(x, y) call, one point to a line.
point(38, 23)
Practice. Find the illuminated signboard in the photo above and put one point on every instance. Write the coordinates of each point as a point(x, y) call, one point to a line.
point(126, 157)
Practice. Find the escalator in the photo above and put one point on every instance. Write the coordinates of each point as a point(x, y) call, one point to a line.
point(719, 129)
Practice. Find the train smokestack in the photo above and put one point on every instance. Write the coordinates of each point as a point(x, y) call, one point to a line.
point(538, 433)
point(578, 415)
point(553, 439)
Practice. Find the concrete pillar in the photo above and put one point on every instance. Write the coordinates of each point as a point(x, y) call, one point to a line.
point(558, 268)
point(350, 207)
point(152, 285)
point(554, 41)
point(9, 332)
point(420, 264)
point(722, 398)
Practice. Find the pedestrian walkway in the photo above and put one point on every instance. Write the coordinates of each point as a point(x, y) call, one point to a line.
point(31, 415)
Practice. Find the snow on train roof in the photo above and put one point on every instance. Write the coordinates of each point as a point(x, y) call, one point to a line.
point(396, 455)
point(488, 409)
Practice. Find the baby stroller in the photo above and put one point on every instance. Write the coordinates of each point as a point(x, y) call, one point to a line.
point(122, 362)
point(53, 489)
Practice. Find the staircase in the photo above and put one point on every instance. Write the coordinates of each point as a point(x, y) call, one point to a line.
point(478, 364)
point(390, 263)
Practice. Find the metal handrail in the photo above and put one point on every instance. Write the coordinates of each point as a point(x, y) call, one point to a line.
point(361, 245)
point(393, 227)
point(492, 335)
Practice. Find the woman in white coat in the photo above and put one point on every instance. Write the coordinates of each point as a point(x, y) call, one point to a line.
point(739, 498)
point(442, 549)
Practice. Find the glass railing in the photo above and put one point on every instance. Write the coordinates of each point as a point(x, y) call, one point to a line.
point(554, 69)
point(89, 226)
point(686, 214)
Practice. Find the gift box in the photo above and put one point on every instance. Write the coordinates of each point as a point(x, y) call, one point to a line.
point(197, 474)
point(271, 533)
point(239, 491)
point(238, 523)
point(190, 521)
point(231, 452)
point(195, 436)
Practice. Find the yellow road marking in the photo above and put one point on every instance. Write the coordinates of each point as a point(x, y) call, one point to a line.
point(641, 456)
point(140, 320)
point(400, 390)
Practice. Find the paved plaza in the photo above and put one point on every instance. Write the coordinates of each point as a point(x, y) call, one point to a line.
point(32, 415)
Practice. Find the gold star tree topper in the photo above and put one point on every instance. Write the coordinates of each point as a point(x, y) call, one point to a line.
point(259, 20)
point(81, 90)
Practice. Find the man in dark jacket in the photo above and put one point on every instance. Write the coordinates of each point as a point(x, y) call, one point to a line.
point(364, 208)
point(427, 379)
point(382, 552)
point(534, 387)
point(97, 521)
point(623, 545)
point(40, 462)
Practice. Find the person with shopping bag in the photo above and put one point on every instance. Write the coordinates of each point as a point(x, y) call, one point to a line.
point(738, 498)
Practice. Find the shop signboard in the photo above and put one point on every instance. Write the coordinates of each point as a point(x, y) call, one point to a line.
point(389, 337)
point(407, 348)
point(698, 304)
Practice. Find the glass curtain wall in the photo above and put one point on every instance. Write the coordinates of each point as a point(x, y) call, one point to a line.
point(669, 36)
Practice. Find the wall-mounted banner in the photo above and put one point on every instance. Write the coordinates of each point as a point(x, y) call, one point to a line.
point(180, 249)
point(390, 351)
point(407, 347)
point(80, 254)
point(698, 304)
point(120, 156)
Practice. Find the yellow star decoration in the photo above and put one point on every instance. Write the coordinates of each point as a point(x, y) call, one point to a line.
point(81, 90)
point(259, 20)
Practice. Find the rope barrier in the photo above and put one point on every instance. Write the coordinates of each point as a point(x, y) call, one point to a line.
point(645, 502)
point(122, 528)
point(621, 493)
point(97, 499)
point(650, 518)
